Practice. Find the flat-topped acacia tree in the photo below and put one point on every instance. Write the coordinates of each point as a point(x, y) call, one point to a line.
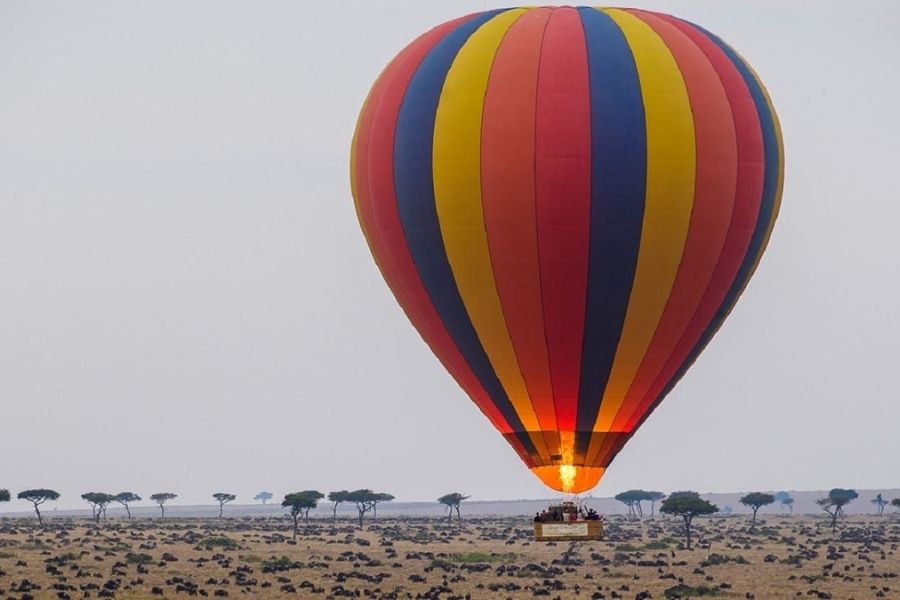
point(223, 498)
point(300, 503)
point(755, 501)
point(263, 497)
point(98, 501)
point(379, 498)
point(315, 495)
point(38, 497)
point(336, 498)
point(161, 498)
point(687, 505)
point(4, 495)
point(363, 499)
point(366, 500)
point(653, 498)
point(631, 499)
point(126, 498)
point(452, 502)
point(785, 500)
point(835, 502)
point(880, 503)
point(645, 496)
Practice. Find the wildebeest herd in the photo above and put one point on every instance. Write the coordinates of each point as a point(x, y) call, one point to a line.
point(483, 557)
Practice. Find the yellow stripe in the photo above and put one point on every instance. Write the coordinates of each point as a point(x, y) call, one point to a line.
point(457, 191)
point(667, 209)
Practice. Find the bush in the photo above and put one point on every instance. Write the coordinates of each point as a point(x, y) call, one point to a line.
point(138, 559)
point(219, 542)
point(723, 559)
point(482, 557)
point(685, 591)
point(282, 563)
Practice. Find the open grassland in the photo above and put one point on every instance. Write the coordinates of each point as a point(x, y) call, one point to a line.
point(784, 557)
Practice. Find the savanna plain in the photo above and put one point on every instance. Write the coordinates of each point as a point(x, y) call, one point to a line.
point(784, 556)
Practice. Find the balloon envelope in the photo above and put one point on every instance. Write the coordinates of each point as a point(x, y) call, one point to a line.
point(567, 202)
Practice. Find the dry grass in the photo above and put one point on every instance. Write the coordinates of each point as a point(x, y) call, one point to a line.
point(425, 558)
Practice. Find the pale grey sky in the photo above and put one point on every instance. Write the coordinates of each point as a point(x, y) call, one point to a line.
point(188, 304)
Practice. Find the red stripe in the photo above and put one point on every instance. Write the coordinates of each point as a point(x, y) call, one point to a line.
point(714, 194)
point(377, 208)
point(563, 185)
point(507, 160)
point(748, 195)
point(608, 450)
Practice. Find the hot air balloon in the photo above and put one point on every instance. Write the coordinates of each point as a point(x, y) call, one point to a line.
point(567, 203)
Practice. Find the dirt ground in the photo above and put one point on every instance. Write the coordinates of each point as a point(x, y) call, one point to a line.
point(784, 557)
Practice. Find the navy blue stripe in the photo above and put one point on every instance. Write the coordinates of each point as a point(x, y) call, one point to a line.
point(770, 183)
point(772, 153)
point(618, 190)
point(413, 145)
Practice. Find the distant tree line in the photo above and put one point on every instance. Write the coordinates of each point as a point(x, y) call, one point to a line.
point(299, 504)
point(685, 505)
point(688, 505)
